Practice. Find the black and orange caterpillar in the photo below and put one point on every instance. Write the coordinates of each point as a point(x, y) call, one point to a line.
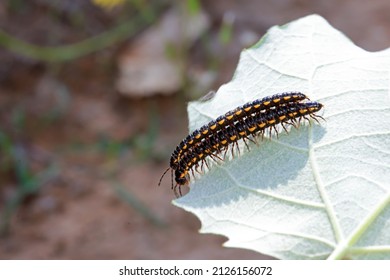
point(254, 118)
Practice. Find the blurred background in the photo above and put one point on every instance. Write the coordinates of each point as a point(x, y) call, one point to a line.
point(93, 97)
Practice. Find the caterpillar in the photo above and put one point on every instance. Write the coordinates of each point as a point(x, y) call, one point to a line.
point(260, 117)
point(230, 117)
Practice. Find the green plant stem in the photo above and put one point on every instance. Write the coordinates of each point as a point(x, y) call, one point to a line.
point(321, 189)
point(343, 247)
point(28, 185)
point(370, 249)
point(87, 46)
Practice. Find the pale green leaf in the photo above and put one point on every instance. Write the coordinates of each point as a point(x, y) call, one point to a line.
point(320, 191)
